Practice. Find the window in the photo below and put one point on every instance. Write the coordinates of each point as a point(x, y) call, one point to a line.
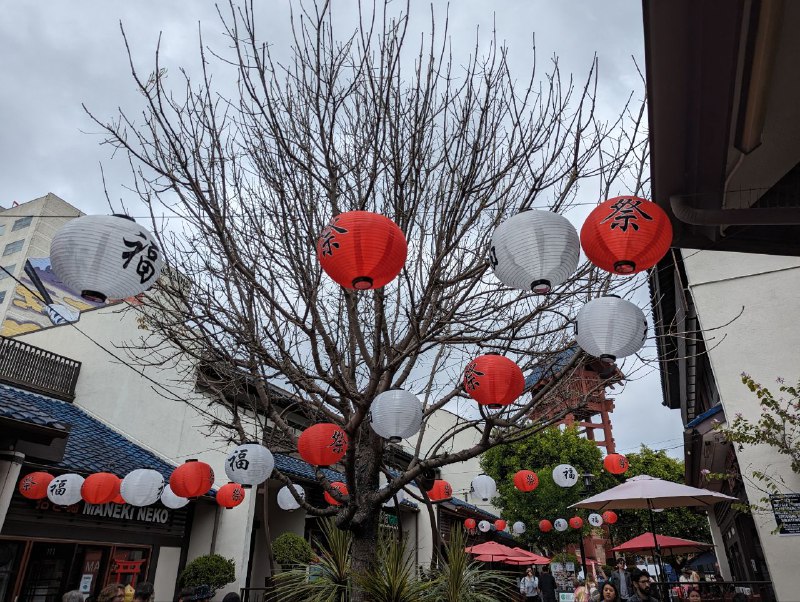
point(13, 247)
point(2, 296)
point(21, 223)
point(9, 268)
point(2, 229)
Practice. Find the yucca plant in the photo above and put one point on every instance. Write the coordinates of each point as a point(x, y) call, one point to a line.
point(324, 581)
point(393, 578)
point(460, 579)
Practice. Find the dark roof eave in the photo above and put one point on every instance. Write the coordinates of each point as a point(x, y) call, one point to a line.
point(38, 431)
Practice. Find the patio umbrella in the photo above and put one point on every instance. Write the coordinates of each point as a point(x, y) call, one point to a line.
point(491, 551)
point(524, 557)
point(675, 545)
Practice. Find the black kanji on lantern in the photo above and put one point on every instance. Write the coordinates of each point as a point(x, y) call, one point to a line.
point(569, 473)
point(236, 495)
point(626, 212)
point(239, 460)
point(144, 268)
point(328, 239)
point(58, 486)
point(27, 483)
point(471, 377)
point(529, 478)
point(337, 442)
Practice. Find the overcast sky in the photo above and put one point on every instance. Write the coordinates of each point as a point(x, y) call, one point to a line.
point(56, 56)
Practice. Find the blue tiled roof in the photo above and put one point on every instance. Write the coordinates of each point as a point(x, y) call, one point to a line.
point(472, 508)
point(92, 446)
point(550, 368)
point(25, 411)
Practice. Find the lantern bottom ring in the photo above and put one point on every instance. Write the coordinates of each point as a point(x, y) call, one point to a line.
point(94, 296)
point(246, 486)
point(362, 283)
point(608, 359)
point(395, 439)
point(625, 267)
point(541, 287)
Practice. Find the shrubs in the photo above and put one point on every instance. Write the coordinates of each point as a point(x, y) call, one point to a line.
point(213, 570)
point(291, 549)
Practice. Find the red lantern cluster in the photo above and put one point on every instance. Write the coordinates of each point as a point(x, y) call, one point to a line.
point(500, 524)
point(191, 479)
point(362, 250)
point(34, 485)
point(545, 526)
point(576, 522)
point(626, 235)
point(341, 488)
point(493, 380)
point(526, 480)
point(470, 524)
point(230, 495)
point(441, 491)
point(100, 488)
point(610, 517)
point(616, 463)
point(322, 444)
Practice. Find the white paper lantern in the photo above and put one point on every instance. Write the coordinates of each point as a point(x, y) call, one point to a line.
point(286, 500)
point(249, 464)
point(518, 527)
point(565, 475)
point(595, 520)
point(65, 489)
point(484, 487)
point(105, 257)
point(142, 487)
point(484, 526)
point(170, 500)
point(610, 328)
point(396, 415)
point(560, 524)
point(535, 251)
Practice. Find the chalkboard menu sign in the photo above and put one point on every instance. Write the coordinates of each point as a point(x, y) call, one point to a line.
point(786, 507)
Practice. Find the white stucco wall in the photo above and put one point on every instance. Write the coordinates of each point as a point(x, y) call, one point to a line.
point(764, 342)
point(166, 573)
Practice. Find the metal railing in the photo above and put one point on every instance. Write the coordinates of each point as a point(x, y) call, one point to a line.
point(28, 367)
point(717, 591)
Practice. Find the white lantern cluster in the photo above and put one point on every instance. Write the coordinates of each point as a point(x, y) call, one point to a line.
point(560, 524)
point(249, 464)
point(535, 251)
point(142, 487)
point(610, 328)
point(595, 520)
point(172, 501)
point(518, 528)
point(484, 526)
point(286, 501)
point(65, 489)
point(396, 415)
point(105, 257)
point(565, 475)
point(484, 487)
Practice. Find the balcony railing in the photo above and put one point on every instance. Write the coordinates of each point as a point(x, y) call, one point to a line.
point(34, 369)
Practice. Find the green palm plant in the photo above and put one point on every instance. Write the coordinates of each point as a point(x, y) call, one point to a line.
point(393, 578)
point(460, 579)
point(324, 581)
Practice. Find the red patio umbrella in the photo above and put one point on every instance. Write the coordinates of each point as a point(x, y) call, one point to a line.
point(675, 545)
point(523, 557)
point(491, 551)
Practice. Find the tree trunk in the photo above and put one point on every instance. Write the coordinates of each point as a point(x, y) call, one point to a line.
point(364, 553)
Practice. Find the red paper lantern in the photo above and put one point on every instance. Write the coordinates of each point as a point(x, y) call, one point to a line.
point(34, 485)
point(610, 517)
point(526, 480)
point(441, 491)
point(493, 380)
point(576, 522)
point(545, 526)
point(500, 524)
point(100, 488)
point(322, 444)
point(470, 524)
point(230, 495)
point(119, 499)
point(362, 250)
point(626, 235)
point(341, 488)
point(615, 463)
point(191, 479)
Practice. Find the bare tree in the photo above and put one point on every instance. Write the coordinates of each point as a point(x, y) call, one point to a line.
point(448, 148)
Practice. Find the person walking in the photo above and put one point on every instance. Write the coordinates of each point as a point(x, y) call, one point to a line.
point(609, 593)
point(73, 596)
point(621, 579)
point(115, 592)
point(581, 594)
point(529, 586)
point(641, 587)
point(547, 585)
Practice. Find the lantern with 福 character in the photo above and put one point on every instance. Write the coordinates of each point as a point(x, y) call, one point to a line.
point(560, 525)
point(191, 479)
point(626, 235)
point(565, 475)
point(526, 480)
point(100, 488)
point(34, 485)
point(65, 489)
point(595, 520)
point(484, 526)
point(249, 464)
point(493, 380)
point(105, 257)
point(230, 495)
point(322, 444)
point(362, 250)
point(441, 491)
point(616, 463)
point(341, 488)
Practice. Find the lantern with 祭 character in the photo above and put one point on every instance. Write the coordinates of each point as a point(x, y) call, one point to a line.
point(615, 463)
point(470, 524)
point(322, 444)
point(249, 464)
point(576, 522)
point(34, 485)
point(441, 491)
point(105, 257)
point(545, 526)
point(500, 524)
point(230, 495)
point(493, 380)
point(526, 480)
point(362, 250)
point(610, 517)
point(626, 235)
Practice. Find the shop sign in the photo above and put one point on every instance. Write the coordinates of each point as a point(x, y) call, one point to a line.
point(148, 514)
point(786, 508)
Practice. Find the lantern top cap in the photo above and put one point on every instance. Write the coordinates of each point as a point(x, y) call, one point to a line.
point(123, 216)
